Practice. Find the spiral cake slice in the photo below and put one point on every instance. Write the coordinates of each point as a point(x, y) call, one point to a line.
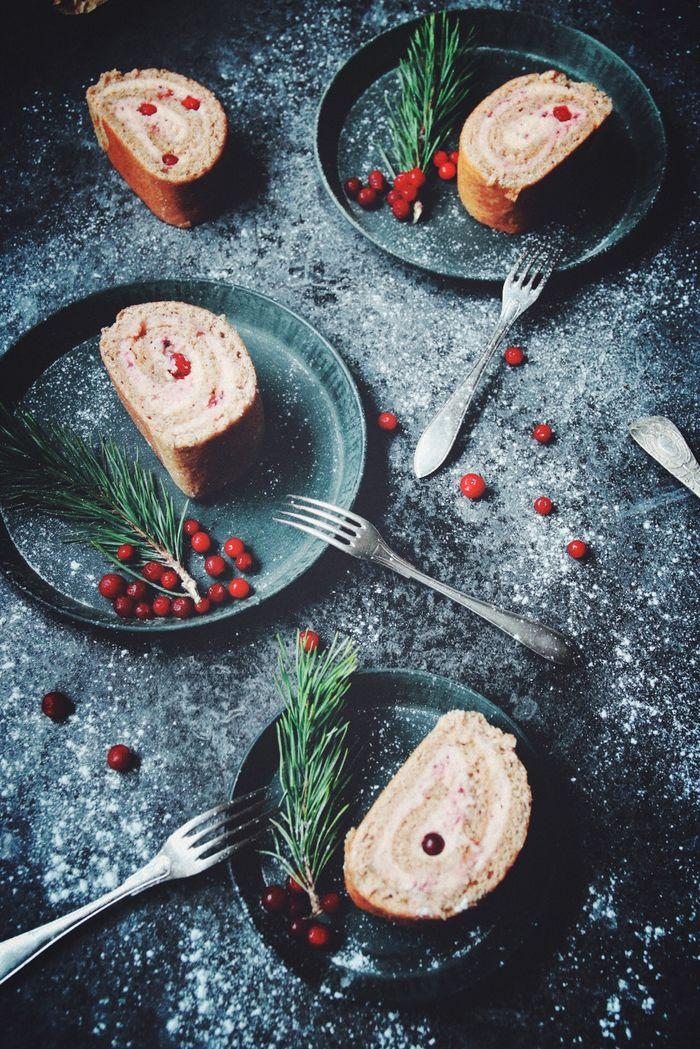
point(516, 137)
point(165, 134)
point(446, 829)
point(187, 381)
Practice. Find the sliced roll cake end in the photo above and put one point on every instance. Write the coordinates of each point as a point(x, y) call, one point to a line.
point(516, 137)
point(446, 829)
point(187, 381)
point(166, 135)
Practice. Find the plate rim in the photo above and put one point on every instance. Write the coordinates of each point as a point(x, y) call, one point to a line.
point(527, 16)
point(164, 627)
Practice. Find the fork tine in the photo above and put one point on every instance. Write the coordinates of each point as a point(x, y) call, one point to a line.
point(210, 813)
point(225, 818)
point(521, 265)
point(224, 854)
point(310, 520)
point(203, 847)
point(339, 522)
point(329, 506)
point(315, 533)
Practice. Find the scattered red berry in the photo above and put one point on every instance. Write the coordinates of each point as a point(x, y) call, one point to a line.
point(152, 571)
point(169, 579)
point(309, 639)
point(217, 593)
point(203, 606)
point(126, 552)
point(577, 549)
point(56, 705)
point(239, 588)
point(473, 486)
point(330, 903)
point(409, 192)
point(401, 209)
point(274, 899)
point(215, 566)
point(111, 585)
point(447, 171)
point(387, 421)
point(169, 159)
point(183, 607)
point(162, 606)
point(543, 505)
point(562, 113)
point(191, 527)
point(433, 844)
point(234, 547)
point(143, 610)
point(440, 158)
point(148, 109)
point(514, 356)
point(244, 562)
point(416, 177)
point(454, 157)
point(376, 180)
point(543, 433)
point(298, 927)
point(402, 180)
point(124, 606)
point(136, 589)
point(392, 196)
point(294, 886)
point(318, 935)
point(367, 198)
point(120, 757)
point(353, 187)
point(190, 103)
point(201, 542)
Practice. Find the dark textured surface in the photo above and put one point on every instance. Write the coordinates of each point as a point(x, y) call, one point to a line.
point(181, 966)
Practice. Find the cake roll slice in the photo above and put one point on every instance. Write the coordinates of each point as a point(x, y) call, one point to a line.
point(516, 137)
point(166, 135)
point(187, 381)
point(446, 829)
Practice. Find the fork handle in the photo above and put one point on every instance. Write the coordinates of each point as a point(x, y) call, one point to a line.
point(20, 949)
point(441, 433)
point(546, 642)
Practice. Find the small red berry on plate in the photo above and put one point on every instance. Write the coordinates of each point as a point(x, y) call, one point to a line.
point(169, 159)
point(376, 180)
point(353, 187)
point(136, 589)
point(514, 356)
point(401, 209)
point(191, 527)
point(274, 899)
point(330, 903)
point(447, 171)
point(169, 579)
point(239, 588)
point(309, 639)
point(183, 607)
point(298, 927)
point(543, 433)
point(217, 593)
point(215, 566)
point(234, 547)
point(201, 542)
point(387, 421)
point(120, 757)
point(367, 198)
point(152, 571)
point(416, 177)
point(473, 486)
point(147, 109)
point(440, 158)
point(402, 180)
point(143, 610)
point(162, 606)
point(124, 606)
point(409, 193)
point(543, 505)
point(56, 705)
point(454, 157)
point(244, 562)
point(111, 585)
point(125, 552)
point(318, 935)
point(562, 113)
point(393, 196)
point(294, 886)
point(433, 844)
point(203, 606)
point(577, 549)
point(190, 103)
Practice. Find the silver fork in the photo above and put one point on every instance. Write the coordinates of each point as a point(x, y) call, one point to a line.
point(522, 287)
point(187, 851)
point(354, 535)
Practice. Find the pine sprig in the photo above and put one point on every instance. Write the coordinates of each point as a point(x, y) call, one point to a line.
point(311, 737)
point(434, 77)
point(109, 497)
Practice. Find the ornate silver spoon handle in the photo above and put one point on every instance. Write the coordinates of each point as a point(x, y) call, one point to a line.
point(663, 441)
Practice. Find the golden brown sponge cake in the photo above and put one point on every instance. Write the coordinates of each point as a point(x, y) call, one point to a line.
point(447, 828)
point(516, 137)
point(165, 134)
point(187, 381)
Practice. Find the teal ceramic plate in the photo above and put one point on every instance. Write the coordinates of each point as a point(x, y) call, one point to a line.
point(315, 443)
point(391, 711)
point(607, 202)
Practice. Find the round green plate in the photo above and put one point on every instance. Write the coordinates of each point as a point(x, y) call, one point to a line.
point(605, 203)
point(315, 444)
point(390, 712)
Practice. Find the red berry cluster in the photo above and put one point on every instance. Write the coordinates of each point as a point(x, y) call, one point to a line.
point(406, 189)
point(57, 706)
point(293, 902)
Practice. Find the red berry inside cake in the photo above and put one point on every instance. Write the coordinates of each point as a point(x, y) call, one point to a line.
point(447, 828)
point(187, 381)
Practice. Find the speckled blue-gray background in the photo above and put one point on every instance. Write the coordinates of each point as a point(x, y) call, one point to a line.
point(181, 966)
